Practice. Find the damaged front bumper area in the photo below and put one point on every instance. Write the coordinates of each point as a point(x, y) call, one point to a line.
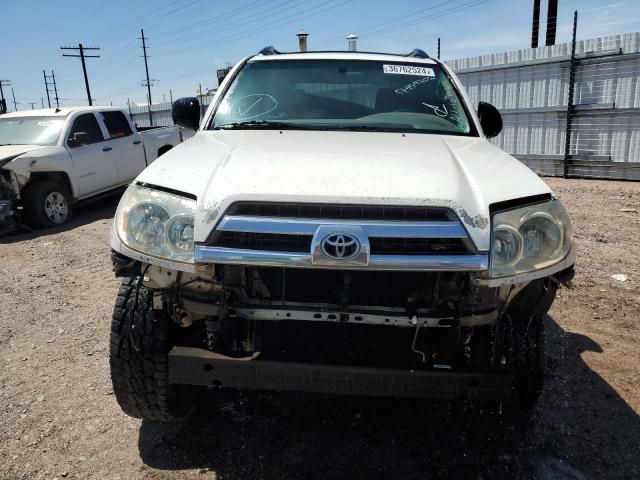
point(8, 205)
point(398, 334)
point(196, 366)
point(411, 313)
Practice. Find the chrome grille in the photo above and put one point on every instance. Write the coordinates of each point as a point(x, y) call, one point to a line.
point(391, 238)
point(339, 212)
point(263, 241)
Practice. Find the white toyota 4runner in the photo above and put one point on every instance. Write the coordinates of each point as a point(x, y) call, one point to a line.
point(339, 223)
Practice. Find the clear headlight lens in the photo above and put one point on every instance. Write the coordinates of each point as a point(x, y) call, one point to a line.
point(506, 245)
point(156, 223)
point(529, 238)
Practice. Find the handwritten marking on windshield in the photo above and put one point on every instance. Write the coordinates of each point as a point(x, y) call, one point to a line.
point(410, 86)
point(254, 105)
point(250, 107)
point(439, 111)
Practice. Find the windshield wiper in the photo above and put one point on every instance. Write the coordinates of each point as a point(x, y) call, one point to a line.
point(372, 128)
point(264, 124)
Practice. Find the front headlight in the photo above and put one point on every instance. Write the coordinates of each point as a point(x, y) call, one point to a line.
point(529, 238)
point(156, 223)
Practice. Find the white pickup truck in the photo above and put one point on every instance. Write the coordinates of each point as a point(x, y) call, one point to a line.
point(339, 223)
point(52, 158)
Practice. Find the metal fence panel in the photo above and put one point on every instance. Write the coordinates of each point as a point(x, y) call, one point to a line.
point(531, 88)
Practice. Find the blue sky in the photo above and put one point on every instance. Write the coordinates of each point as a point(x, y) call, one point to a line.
point(190, 39)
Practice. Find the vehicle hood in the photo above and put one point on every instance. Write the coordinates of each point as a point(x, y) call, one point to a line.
point(466, 174)
point(9, 152)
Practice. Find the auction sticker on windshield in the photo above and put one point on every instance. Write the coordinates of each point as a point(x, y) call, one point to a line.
point(408, 70)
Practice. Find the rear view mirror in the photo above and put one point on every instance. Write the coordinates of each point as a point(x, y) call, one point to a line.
point(490, 119)
point(78, 139)
point(186, 112)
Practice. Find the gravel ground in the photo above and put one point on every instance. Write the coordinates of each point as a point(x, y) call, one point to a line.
point(59, 418)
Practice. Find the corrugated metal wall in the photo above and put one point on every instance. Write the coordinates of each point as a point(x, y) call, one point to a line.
point(531, 89)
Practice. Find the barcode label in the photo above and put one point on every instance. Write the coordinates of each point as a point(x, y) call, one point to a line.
point(408, 70)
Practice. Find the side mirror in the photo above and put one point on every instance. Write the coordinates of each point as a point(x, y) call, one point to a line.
point(78, 139)
point(186, 112)
point(490, 119)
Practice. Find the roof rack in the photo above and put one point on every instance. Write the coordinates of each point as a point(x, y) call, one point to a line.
point(269, 51)
point(417, 53)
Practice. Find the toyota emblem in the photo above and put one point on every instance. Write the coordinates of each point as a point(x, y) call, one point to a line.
point(341, 246)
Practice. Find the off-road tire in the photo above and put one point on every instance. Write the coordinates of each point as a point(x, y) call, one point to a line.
point(528, 358)
point(34, 199)
point(141, 339)
point(520, 341)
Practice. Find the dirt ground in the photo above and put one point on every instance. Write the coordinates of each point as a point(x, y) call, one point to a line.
point(59, 418)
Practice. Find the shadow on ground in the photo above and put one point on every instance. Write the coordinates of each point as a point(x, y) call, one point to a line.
point(580, 428)
point(101, 209)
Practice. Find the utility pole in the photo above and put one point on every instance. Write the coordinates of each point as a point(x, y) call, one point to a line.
point(15, 104)
point(81, 49)
point(146, 67)
point(55, 88)
point(3, 102)
point(570, 106)
point(33, 105)
point(171, 96)
point(552, 20)
point(46, 87)
point(438, 48)
point(535, 24)
point(42, 101)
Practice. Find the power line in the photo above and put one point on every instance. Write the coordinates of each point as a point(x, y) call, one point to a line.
point(364, 30)
point(268, 26)
point(244, 20)
point(380, 28)
point(458, 8)
point(138, 20)
point(80, 48)
point(242, 10)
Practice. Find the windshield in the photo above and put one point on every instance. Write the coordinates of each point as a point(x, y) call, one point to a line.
point(30, 130)
point(343, 94)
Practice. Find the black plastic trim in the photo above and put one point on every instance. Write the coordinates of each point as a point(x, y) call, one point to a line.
point(167, 190)
point(519, 202)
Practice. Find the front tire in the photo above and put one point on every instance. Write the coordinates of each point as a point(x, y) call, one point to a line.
point(519, 341)
point(141, 339)
point(46, 204)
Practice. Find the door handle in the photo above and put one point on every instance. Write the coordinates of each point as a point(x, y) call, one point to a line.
point(107, 149)
point(136, 142)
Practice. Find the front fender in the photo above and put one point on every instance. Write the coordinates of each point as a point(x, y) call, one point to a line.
point(45, 160)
